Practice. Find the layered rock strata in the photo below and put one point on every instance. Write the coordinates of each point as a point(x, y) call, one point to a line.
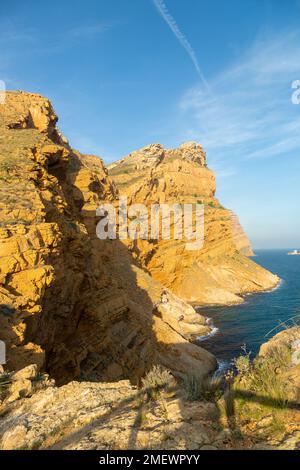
point(75, 305)
point(217, 273)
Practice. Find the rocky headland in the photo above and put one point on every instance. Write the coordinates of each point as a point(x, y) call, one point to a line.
point(221, 271)
point(75, 305)
point(99, 333)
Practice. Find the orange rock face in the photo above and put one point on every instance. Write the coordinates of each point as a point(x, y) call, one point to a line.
point(219, 272)
point(72, 304)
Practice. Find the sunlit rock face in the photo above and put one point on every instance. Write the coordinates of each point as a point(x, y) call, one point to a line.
point(218, 273)
point(74, 305)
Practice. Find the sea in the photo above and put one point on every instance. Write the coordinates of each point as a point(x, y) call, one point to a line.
point(246, 326)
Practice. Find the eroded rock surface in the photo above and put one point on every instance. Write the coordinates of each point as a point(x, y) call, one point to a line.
point(217, 273)
point(86, 415)
point(72, 304)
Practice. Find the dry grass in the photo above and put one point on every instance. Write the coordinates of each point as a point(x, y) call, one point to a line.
point(156, 380)
point(209, 389)
point(263, 377)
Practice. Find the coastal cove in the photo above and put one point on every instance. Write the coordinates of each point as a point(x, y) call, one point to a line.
point(259, 317)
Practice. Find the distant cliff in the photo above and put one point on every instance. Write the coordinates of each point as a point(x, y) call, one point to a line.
point(218, 273)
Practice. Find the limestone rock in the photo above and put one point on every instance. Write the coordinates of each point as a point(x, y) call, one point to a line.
point(83, 415)
point(218, 273)
point(28, 373)
point(76, 306)
point(19, 389)
point(90, 415)
point(285, 345)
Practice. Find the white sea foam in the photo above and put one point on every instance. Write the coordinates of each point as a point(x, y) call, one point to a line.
point(252, 294)
point(213, 332)
point(280, 284)
point(222, 367)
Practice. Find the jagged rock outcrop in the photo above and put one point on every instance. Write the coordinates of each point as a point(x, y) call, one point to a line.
point(219, 272)
point(75, 305)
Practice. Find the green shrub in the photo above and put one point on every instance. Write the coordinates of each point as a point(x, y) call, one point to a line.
point(243, 362)
point(193, 387)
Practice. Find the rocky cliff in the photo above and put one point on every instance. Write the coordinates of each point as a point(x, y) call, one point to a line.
point(76, 306)
point(219, 272)
point(260, 411)
point(96, 317)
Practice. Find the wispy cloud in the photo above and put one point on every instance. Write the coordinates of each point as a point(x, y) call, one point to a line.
point(251, 115)
point(172, 23)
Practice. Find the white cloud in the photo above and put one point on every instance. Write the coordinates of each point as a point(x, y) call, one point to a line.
point(250, 114)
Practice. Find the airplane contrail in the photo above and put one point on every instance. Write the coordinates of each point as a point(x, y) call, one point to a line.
point(166, 15)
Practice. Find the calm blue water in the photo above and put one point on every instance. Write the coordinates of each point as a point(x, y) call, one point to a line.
point(250, 322)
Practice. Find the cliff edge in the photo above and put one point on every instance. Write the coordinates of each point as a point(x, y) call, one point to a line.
point(260, 411)
point(76, 306)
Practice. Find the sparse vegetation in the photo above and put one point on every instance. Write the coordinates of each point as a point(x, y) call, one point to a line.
point(243, 362)
point(266, 382)
point(121, 169)
point(197, 388)
point(262, 376)
point(229, 403)
point(215, 205)
point(14, 222)
point(143, 418)
point(156, 380)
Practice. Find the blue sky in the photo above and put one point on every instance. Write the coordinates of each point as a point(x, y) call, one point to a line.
point(125, 73)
